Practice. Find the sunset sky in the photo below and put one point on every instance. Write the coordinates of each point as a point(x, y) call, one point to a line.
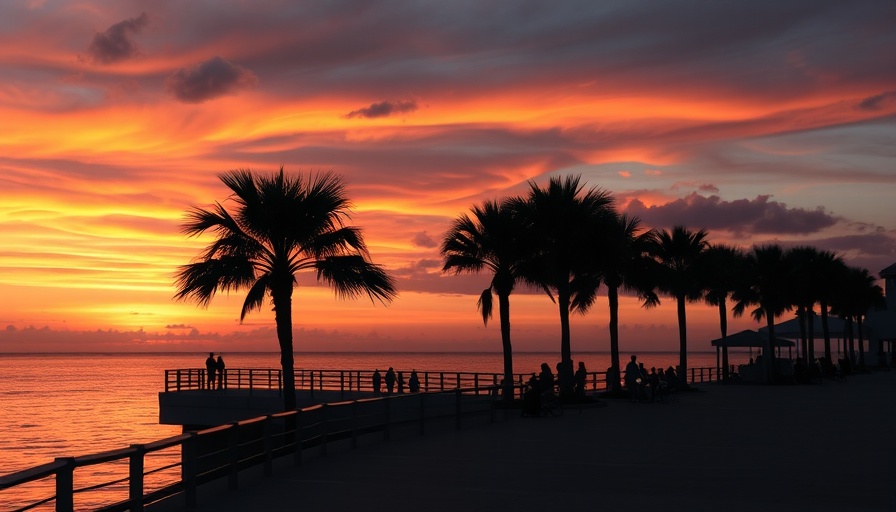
point(761, 121)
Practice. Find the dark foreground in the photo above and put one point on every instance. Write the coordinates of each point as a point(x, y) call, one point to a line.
point(824, 447)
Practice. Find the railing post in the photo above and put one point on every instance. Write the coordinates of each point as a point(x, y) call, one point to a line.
point(354, 422)
point(425, 381)
point(135, 478)
point(65, 483)
point(341, 385)
point(311, 376)
point(297, 435)
point(268, 445)
point(233, 457)
point(476, 383)
point(441, 381)
point(457, 408)
point(386, 418)
point(422, 412)
point(324, 427)
point(458, 380)
point(189, 468)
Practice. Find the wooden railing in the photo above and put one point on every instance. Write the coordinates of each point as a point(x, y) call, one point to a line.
point(223, 451)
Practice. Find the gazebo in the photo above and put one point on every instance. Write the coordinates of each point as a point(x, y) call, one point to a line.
point(746, 338)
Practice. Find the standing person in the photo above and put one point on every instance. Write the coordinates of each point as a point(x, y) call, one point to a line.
point(632, 375)
point(390, 380)
point(581, 377)
point(210, 366)
point(414, 382)
point(377, 379)
point(219, 367)
point(400, 383)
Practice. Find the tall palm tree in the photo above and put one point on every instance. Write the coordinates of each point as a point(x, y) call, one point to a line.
point(562, 220)
point(280, 225)
point(679, 256)
point(768, 288)
point(858, 293)
point(625, 264)
point(493, 239)
point(830, 270)
point(805, 290)
point(723, 266)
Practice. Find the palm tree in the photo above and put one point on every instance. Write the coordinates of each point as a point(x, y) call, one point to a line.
point(830, 270)
point(625, 263)
point(723, 265)
point(492, 239)
point(280, 226)
point(856, 296)
point(679, 255)
point(562, 220)
point(805, 292)
point(769, 272)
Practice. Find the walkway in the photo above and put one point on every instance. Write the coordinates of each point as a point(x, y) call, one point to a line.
point(826, 447)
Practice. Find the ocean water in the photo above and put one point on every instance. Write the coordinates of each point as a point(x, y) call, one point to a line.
point(66, 405)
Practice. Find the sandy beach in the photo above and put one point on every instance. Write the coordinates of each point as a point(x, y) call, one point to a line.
point(822, 447)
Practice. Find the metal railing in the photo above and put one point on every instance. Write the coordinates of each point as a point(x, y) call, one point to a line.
point(362, 380)
point(223, 451)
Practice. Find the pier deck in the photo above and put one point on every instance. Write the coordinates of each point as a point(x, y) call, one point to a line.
point(825, 447)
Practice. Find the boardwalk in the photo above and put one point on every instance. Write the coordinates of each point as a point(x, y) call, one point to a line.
point(826, 447)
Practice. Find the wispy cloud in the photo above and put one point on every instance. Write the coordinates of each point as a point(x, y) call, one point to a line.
point(116, 44)
point(383, 109)
point(210, 79)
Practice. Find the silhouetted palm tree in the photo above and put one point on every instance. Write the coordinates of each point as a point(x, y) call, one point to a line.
point(280, 226)
point(854, 298)
point(679, 255)
point(625, 263)
point(805, 291)
point(724, 273)
point(830, 270)
point(493, 239)
point(563, 220)
point(768, 287)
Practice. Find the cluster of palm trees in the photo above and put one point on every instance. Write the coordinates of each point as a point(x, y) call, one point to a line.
point(569, 240)
point(563, 238)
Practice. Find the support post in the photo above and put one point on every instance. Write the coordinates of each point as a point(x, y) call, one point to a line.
point(135, 477)
point(65, 485)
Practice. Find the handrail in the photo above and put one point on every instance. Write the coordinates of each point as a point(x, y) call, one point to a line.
point(248, 445)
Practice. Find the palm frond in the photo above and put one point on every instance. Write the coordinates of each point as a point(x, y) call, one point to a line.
point(351, 276)
point(484, 304)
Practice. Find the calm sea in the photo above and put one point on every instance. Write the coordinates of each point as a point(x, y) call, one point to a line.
point(77, 404)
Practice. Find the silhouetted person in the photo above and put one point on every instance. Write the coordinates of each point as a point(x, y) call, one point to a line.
point(210, 366)
point(390, 380)
point(546, 379)
point(581, 377)
point(414, 382)
point(377, 381)
point(653, 380)
point(632, 374)
point(671, 377)
point(400, 381)
point(532, 397)
point(219, 367)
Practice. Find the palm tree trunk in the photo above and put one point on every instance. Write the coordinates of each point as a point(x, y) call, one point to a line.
point(564, 373)
point(613, 298)
point(683, 342)
point(768, 350)
point(504, 314)
point(861, 342)
point(810, 332)
point(723, 326)
point(827, 334)
point(282, 299)
point(804, 340)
